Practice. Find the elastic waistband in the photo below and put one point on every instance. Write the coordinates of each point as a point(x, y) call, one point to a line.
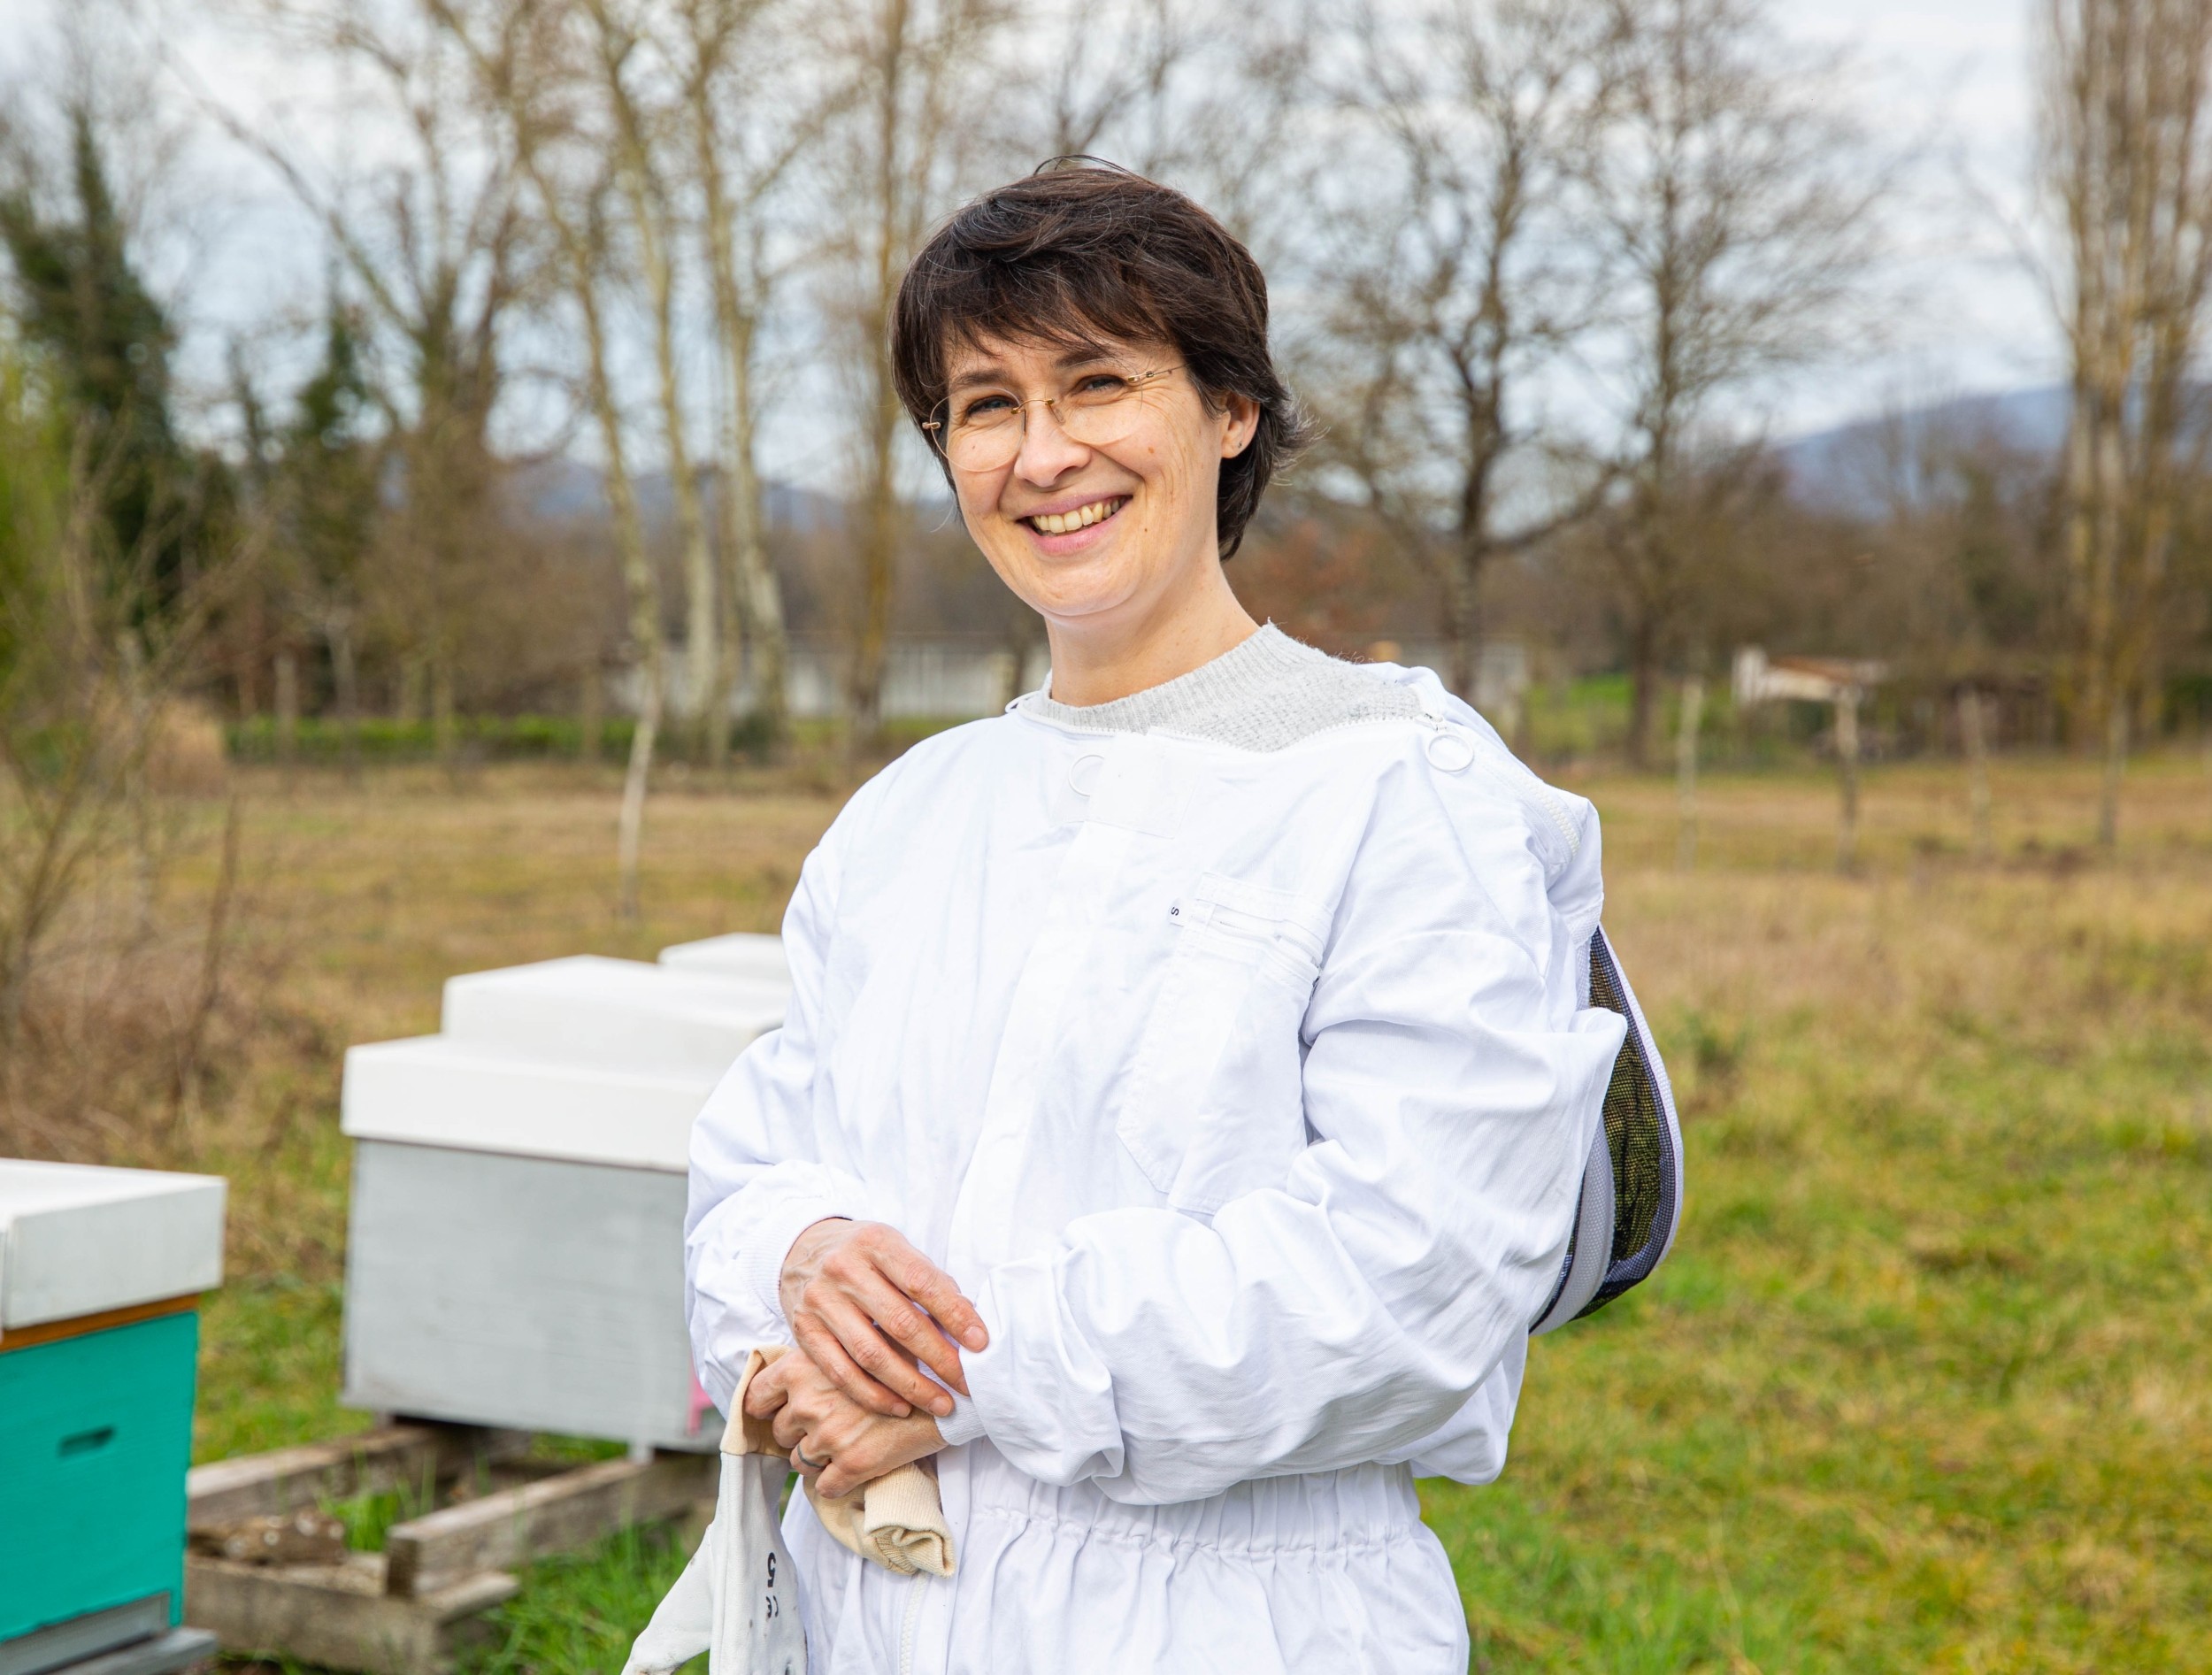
point(1324, 1512)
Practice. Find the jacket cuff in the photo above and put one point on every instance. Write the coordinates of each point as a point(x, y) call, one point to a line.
point(771, 1238)
point(964, 1424)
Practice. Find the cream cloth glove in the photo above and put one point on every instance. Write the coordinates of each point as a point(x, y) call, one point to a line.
point(896, 1520)
point(734, 1600)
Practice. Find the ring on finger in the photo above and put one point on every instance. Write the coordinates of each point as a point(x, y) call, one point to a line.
point(806, 1461)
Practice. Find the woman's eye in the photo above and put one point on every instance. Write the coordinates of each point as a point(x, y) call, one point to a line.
point(983, 409)
point(1100, 384)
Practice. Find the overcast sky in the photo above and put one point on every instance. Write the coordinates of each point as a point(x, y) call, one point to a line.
point(1972, 317)
point(1961, 314)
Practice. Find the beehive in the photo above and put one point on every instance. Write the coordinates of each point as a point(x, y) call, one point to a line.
point(516, 1248)
point(743, 954)
point(99, 1271)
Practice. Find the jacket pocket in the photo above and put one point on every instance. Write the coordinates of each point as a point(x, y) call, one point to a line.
point(1214, 1104)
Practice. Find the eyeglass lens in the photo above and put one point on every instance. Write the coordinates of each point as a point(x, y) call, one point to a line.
point(981, 432)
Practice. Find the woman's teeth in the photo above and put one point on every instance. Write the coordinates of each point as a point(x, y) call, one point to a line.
point(1059, 523)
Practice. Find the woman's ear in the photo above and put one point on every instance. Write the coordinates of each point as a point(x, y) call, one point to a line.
point(1244, 423)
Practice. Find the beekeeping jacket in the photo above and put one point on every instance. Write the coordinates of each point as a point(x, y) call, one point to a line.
point(1247, 1091)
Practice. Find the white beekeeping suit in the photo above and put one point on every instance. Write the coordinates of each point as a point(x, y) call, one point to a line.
point(1248, 1094)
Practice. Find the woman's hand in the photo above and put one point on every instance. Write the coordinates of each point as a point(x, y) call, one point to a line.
point(849, 1290)
point(828, 1432)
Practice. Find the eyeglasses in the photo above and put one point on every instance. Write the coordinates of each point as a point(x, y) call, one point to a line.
point(981, 430)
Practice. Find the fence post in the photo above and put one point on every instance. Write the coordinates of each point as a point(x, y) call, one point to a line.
point(1847, 764)
point(591, 723)
point(287, 709)
point(1685, 772)
point(1973, 734)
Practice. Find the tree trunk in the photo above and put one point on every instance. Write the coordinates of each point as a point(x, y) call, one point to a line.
point(582, 254)
point(1685, 741)
point(1643, 694)
point(346, 689)
point(407, 694)
point(2204, 741)
point(1463, 622)
point(702, 623)
point(2115, 762)
point(288, 710)
point(871, 644)
point(445, 732)
point(1974, 739)
point(630, 834)
point(592, 713)
point(1848, 780)
point(753, 585)
point(880, 535)
point(749, 588)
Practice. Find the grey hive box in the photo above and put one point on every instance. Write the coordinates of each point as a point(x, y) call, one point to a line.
point(515, 1255)
point(100, 1270)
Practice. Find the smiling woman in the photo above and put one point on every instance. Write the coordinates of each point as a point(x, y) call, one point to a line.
point(1088, 353)
point(1189, 1076)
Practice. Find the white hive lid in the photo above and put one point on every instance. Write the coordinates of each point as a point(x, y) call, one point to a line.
point(742, 954)
point(436, 1091)
point(76, 1240)
point(620, 1014)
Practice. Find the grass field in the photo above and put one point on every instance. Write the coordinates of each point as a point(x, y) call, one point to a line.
point(1927, 1384)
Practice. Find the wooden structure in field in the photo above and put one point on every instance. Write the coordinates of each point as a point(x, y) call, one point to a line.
point(100, 1273)
point(486, 1507)
point(1841, 684)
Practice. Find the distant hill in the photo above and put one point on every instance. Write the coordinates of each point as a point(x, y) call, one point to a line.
point(562, 490)
point(1849, 468)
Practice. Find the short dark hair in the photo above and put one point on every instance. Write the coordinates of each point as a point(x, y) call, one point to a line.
point(1081, 250)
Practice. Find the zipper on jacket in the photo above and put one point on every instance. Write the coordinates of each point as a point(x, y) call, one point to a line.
point(910, 1625)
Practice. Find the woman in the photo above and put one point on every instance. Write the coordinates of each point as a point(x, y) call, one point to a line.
point(1204, 1044)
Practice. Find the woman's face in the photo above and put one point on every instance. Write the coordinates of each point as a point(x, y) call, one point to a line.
point(1100, 535)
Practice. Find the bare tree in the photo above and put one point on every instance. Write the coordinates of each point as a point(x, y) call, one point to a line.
point(96, 643)
point(529, 64)
point(913, 124)
point(726, 68)
point(1736, 201)
point(1449, 278)
point(2126, 166)
point(1111, 81)
point(656, 228)
point(432, 241)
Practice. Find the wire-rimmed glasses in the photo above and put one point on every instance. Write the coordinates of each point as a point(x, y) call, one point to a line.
point(980, 430)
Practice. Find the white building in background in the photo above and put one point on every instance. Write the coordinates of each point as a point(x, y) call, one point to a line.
point(950, 677)
point(1759, 679)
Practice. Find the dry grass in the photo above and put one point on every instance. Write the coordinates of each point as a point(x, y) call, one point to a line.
point(1924, 1387)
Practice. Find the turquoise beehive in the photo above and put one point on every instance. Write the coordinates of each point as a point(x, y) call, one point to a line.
point(100, 1270)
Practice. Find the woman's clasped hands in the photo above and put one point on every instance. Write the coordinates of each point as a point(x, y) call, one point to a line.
point(868, 1312)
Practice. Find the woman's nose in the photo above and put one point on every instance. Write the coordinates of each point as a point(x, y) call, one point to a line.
point(1048, 452)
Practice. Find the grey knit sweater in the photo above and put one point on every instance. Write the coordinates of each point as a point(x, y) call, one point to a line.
point(1265, 693)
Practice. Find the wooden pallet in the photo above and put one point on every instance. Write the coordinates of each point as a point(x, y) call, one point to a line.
point(410, 1609)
